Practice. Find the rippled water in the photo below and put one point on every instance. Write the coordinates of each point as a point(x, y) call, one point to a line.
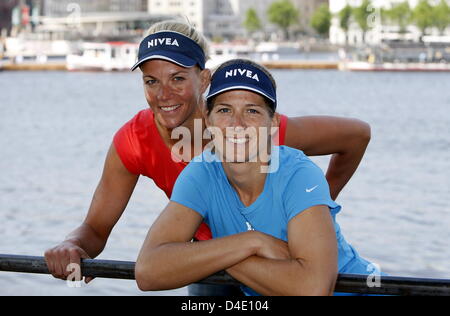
point(55, 130)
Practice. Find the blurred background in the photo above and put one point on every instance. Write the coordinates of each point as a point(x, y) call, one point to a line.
point(65, 89)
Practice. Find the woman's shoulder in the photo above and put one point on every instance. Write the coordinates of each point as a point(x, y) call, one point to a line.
point(139, 126)
point(293, 158)
point(203, 166)
point(142, 120)
point(293, 161)
point(134, 139)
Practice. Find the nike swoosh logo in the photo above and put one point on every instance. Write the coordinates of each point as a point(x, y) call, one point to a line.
point(310, 190)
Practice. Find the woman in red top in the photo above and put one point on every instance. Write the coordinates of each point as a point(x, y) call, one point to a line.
point(172, 59)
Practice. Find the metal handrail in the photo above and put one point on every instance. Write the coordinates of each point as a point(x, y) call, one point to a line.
point(357, 284)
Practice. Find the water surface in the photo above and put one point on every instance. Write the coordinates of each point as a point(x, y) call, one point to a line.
point(55, 130)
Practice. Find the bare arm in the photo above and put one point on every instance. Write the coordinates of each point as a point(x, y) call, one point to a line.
point(345, 139)
point(312, 268)
point(168, 259)
point(108, 204)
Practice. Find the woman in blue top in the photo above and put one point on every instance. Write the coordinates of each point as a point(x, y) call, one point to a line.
point(269, 208)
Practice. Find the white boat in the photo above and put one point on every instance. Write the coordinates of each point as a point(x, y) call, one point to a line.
point(272, 51)
point(112, 56)
point(403, 67)
point(221, 53)
point(267, 48)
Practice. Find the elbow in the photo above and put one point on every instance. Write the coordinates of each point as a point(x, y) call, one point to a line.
point(320, 282)
point(365, 133)
point(325, 289)
point(318, 288)
point(327, 284)
point(147, 277)
point(359, 139)
point(143, 279)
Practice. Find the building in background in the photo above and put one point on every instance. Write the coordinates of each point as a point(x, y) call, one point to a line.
point(217, 19)
point(96, 20)
point(6, 11)
point(17, 15)
point(60, 8)
point(193, 10)
point(214, 18)
point(225, 18)
point(379, 32)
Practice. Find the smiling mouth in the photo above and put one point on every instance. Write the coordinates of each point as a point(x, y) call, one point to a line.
point(170, 108)
point(238, 141)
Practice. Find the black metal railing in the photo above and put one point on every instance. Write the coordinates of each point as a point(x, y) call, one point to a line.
point(358, 284)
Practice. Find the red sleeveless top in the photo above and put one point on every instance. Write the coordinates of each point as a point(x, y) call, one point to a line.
point(143, 152)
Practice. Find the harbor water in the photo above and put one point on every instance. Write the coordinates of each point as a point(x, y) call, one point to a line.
point(56, 127)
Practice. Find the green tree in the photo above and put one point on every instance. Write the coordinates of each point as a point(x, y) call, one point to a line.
point(362, 16)
point(321, 20)
point(422, 16)
point(252, 21)
point(400, 14)
point(345, 17)
point(284, 14)
point(441, 16)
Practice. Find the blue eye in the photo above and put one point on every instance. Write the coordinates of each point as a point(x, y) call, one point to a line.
point(150, 82)
point(253, 111)
point(224, 110)
point(179, 79)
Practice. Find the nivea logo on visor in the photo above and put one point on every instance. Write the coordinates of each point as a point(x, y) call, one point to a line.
point(173, 47)
point(242, 77)
point(163, 41)
point(242, 72)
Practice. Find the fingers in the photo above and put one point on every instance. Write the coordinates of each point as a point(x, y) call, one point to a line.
point(50, 263)
point(74, 259)
point(65, 260)
point(55, 260)
point(83, 255)
point(88, 280)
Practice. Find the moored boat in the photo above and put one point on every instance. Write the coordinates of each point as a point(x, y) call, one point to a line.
point(221, 53)
point(111, 56)
point(404, 67)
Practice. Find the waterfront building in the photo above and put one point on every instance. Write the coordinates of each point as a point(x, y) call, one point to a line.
point(96, 20)
point(215, 18)
point(6, 9)
point(225, 18)
point(59, 8)
point(379, 32)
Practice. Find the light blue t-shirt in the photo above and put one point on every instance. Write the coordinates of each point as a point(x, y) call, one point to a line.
point(296, 186)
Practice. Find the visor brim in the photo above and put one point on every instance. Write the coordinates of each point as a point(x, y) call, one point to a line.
point(226, 88)
point(178, 59)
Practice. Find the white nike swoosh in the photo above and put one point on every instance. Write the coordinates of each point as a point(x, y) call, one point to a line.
point(310, 190)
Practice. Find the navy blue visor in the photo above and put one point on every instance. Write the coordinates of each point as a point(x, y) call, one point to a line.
point(173, 47)
point(241, 76)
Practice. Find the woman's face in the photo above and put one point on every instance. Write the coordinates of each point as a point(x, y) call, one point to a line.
point(174, 93)
point(241, 124)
